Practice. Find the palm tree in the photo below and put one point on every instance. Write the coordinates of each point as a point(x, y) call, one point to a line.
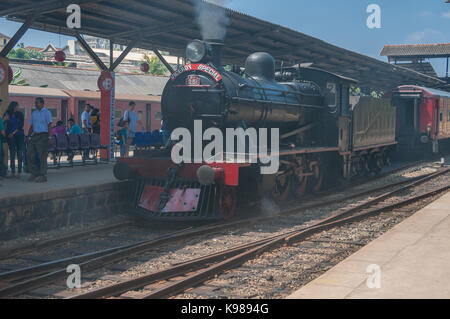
point(22, 82)
point(16, 81)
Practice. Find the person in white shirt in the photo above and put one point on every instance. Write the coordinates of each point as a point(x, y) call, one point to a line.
point(40, 133)
point(86, 119)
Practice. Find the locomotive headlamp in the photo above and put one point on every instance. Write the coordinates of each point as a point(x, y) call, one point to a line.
point(195, 51)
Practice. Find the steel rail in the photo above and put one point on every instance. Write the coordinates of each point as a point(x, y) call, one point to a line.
point(39, 269)
point(213, 270)
point(14, 251)
point(52, 265)
point(107, 258)
point(98, 259)
point(244, 252)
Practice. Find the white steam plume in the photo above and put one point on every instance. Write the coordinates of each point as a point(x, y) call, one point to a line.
point(212, 19)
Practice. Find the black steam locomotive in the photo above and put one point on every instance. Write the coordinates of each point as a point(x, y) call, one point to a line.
point(319, 134)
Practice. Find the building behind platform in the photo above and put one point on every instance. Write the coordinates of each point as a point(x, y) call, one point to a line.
point(68, 90)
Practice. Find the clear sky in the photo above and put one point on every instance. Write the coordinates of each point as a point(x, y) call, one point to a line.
point(340, 22)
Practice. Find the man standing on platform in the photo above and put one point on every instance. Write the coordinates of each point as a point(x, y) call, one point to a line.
point(131, 117)
point(40, 134)
point(86, 119)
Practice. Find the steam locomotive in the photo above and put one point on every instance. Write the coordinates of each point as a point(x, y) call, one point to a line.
point(321, 133)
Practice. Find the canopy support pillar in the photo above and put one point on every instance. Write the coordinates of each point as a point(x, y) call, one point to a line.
point(164, 61)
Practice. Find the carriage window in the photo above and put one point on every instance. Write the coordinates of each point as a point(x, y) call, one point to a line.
point(448, 118)
point(441, 117)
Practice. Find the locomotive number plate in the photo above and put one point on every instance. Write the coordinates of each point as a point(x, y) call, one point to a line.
point(193, 80)
point(180, 200)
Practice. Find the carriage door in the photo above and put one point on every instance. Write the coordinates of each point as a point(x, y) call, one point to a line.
point(437, 125)
point(416, 115)
point(407, 118)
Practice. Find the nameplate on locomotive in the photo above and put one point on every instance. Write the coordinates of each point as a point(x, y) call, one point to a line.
point(200, 67)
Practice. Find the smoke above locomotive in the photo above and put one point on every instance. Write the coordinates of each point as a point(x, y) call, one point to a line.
point(212, 18)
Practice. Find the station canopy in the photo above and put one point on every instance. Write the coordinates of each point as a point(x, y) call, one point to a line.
point(419, 51)
point(170, 24)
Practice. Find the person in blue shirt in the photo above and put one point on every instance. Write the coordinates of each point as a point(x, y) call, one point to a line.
point(73, 127)
point(40, 133)
point(132, 118)
point(14, 120)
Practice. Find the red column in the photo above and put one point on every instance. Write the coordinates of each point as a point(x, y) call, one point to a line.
point(106, 85)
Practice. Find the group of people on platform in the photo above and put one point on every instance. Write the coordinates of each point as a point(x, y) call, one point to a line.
point(90, 119)
point(40, 133)
point(39, 137)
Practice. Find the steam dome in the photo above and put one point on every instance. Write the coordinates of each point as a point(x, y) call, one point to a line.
point(261, 66)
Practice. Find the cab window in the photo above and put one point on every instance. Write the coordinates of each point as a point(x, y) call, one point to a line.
point(331, 94)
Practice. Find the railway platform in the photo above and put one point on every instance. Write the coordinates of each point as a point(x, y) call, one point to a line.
point(71, 196)
point(412, 260)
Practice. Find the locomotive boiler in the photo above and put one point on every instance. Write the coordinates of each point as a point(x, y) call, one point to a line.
point(309, 107)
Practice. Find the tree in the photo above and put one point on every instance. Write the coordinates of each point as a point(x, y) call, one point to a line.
point(156, 67)
point(22, 82)
point(16, 81)
point(26, 54)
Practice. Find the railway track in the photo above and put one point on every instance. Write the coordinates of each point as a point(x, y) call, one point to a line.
point(57, 240)
point(179, 277)
point(40, 245)
point(29, 278)
point(23, 248)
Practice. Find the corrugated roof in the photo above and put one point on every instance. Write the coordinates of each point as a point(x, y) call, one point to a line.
point(80, 79)
point(170, 24)
point(119, 96)
point(438, 92)
point(36, 91)
point(417, 50)
point(415, 88)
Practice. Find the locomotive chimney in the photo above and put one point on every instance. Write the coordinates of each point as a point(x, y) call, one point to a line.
point(215, 51)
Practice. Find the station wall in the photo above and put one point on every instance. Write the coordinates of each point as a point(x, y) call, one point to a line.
point(65, 104)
